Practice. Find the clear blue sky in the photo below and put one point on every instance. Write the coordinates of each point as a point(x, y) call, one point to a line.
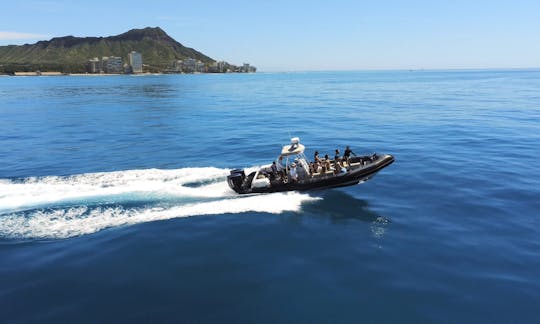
point(306, 35)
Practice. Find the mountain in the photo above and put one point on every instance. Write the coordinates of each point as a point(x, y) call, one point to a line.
point(69, 53)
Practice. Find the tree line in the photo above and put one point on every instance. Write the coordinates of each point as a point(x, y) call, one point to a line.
point(11, 68)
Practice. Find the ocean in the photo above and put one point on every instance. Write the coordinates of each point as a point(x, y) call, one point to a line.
point(114, 205)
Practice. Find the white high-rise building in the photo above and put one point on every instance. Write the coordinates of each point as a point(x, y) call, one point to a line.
point(135, 60)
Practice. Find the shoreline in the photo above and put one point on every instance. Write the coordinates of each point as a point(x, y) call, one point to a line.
point(60, 74)
point(33, 74)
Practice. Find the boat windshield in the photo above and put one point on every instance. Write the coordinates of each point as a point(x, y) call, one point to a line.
point(293, 153)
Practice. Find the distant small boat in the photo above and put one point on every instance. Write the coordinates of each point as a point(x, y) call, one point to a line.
point(292, 171)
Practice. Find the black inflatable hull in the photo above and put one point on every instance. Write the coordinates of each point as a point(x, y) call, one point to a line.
point(351, 177)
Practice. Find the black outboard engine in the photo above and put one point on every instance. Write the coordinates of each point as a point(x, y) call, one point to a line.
point(236, 179)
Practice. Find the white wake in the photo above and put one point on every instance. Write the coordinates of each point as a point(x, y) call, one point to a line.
point(61, 207)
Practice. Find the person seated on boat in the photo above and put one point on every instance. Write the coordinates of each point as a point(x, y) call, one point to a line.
point(293, 173)
point(281, 171)
point(338, 167)
point(347, 154)
point(319, 167)
point(316, 157)
point(281, 164)
point(274, 169)
point(336, 157)
point(303, 169)
point(326, 165)
point(316, 167)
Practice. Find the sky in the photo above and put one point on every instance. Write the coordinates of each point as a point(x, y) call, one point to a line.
point(301, 35)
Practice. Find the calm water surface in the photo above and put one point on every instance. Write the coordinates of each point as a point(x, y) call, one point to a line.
point(114, 206)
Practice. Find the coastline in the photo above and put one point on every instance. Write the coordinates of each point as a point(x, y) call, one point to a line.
point(60, 74)
point(57, 73)
point(464, 70)
point(38, 74)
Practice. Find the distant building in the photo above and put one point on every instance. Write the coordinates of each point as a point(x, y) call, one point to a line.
point(246, 68)
point(127, 69)
point(222, 66)
point(189, 65)
point(112, 64)
point(135, 61)
point(212, 68)
point(93, 65)
point(200, 67)
point(177, 66)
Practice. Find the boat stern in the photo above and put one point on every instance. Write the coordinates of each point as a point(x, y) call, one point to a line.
point(236, 180)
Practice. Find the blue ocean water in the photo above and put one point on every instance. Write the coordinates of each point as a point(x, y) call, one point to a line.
point(114, 206)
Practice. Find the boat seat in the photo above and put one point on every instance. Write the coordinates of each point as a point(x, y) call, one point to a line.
point(355, 164)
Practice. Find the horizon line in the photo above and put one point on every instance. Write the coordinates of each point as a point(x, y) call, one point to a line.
point(402, 69)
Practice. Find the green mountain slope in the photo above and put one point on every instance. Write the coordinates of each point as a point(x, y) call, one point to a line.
point(157, 49)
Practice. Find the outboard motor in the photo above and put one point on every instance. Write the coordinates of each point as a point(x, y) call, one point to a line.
point(236, 179)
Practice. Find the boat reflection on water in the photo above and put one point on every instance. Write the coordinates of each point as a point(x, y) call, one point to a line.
point(341, 208)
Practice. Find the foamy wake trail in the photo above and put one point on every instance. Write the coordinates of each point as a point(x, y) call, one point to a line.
point(122, 184)
point(61, 207)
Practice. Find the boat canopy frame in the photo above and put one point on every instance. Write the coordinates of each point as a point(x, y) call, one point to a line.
point(293, 153)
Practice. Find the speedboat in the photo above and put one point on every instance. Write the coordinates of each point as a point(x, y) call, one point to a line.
point(292, 171)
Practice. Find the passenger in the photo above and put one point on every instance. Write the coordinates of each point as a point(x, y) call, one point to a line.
point(274, 169)
point(338, 167)
point(347, 154)
point(316, 157)
point(327, 164)
point(336, 157)
point(316, 167)
point(301, 171)
point(280, 167)
point(293, 173)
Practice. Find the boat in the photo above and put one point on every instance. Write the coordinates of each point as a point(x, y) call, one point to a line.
point(292, 171)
